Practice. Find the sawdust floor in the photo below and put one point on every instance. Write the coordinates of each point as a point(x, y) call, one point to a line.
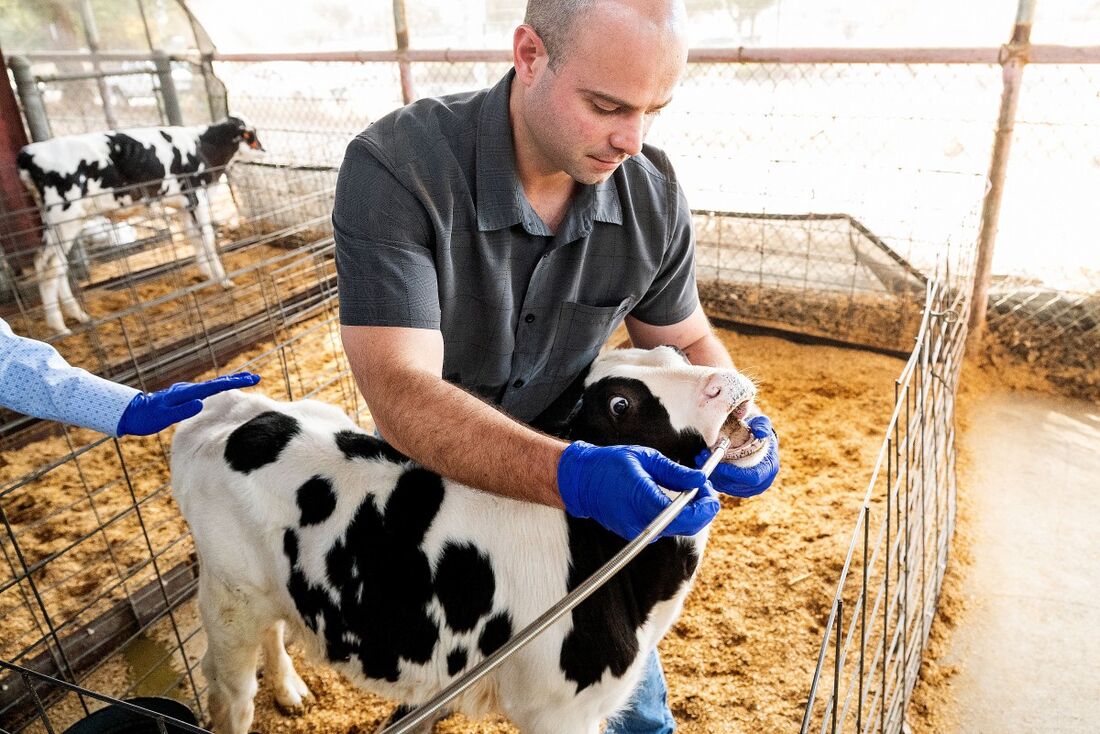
point(741, 656)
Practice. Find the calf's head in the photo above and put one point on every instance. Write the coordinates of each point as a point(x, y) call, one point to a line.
point(245, 135)
point(657, 398)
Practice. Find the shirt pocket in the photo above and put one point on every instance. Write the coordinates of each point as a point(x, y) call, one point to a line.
point(581, 332)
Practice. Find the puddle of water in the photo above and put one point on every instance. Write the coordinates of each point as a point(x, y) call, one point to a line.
point(153, 669)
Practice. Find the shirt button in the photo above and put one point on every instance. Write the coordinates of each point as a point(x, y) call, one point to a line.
point(518, 383)
point(529, 317)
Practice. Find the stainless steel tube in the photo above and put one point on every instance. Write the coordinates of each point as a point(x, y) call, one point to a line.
point(568, 602)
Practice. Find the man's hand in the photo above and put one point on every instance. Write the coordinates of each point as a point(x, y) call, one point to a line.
point(617, 487)
point(748, 481)
point(152, 412)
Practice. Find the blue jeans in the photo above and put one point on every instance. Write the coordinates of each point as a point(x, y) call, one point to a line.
point(647, 712)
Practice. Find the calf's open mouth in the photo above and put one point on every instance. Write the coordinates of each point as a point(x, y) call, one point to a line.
point(742, 441)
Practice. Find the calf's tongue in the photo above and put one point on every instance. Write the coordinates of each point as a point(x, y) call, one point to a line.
point(739, 433)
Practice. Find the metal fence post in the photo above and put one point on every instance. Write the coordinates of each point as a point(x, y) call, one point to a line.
point(33, 107)
point(91, 34)
point(401, 30)
point(168, 92)
point(1014, 58)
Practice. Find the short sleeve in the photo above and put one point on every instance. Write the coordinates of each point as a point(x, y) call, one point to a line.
point(673, 295)
point(384, 262)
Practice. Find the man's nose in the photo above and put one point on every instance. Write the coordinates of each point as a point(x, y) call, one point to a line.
point(630, 134)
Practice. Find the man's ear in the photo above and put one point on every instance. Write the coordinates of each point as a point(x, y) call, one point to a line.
point(528, 54)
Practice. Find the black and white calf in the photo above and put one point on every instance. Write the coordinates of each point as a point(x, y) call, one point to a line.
point(78, 175)
point(402, 579)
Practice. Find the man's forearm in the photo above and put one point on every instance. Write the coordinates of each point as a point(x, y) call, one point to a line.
point(463, 438)
point(709, 351)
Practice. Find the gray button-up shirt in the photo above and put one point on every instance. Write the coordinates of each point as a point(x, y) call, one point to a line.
point(434, 231)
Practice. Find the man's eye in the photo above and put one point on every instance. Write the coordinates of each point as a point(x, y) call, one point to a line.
point(604, 110)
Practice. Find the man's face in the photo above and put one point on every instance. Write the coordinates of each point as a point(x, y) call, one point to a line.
point(589, 114)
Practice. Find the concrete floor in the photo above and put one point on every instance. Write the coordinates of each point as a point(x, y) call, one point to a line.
point(1028, 647)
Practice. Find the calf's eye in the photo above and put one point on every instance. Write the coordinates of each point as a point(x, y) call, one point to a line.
point(618, 405)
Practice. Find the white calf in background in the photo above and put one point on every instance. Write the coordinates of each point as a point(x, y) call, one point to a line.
point(79, 175)
point(402, 579)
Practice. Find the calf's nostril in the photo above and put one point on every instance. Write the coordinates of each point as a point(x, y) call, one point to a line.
point(713, 391)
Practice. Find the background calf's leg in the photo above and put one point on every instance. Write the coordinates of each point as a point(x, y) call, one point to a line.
point(206, 247)
point(51, 268)
point(69, 305)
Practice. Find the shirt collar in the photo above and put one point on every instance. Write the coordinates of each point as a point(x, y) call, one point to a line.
point(500, 199)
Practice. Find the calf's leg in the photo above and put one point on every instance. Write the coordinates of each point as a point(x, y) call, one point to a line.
point(51, 269)
point(206, 246)
point(233, 635)
point(291, 691)
point(70, 305)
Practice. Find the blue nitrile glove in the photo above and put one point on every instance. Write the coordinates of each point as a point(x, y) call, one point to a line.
point(747, 482)
point(152, 412)
point(617, 487)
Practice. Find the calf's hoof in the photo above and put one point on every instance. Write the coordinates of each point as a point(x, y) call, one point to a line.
point(292, 695)
point(226, 283)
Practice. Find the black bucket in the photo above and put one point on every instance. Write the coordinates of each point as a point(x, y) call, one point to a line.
point(115, 719)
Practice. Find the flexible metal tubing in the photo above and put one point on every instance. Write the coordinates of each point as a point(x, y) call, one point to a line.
point(427, 711)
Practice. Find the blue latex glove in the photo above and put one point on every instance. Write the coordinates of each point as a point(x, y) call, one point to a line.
point(152, 412)
point(617, 487)
point(747, 482)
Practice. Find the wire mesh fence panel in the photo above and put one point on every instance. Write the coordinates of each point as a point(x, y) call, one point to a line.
point(151, 309)
point(98, 564)
point(886, 599)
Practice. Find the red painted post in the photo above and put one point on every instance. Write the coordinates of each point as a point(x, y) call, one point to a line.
point(20, 225)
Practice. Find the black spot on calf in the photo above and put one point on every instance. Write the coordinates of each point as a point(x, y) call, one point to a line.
point(456, 661)
point(604, 634)
point(316, 501)
point(464, 585)
point(382, 580)
point(498, 630)
point(260, 441)
point(358, 445)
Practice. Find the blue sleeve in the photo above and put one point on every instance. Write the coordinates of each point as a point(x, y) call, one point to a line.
point(36, 380)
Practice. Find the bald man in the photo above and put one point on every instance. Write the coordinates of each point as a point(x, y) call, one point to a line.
point(487, 245)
